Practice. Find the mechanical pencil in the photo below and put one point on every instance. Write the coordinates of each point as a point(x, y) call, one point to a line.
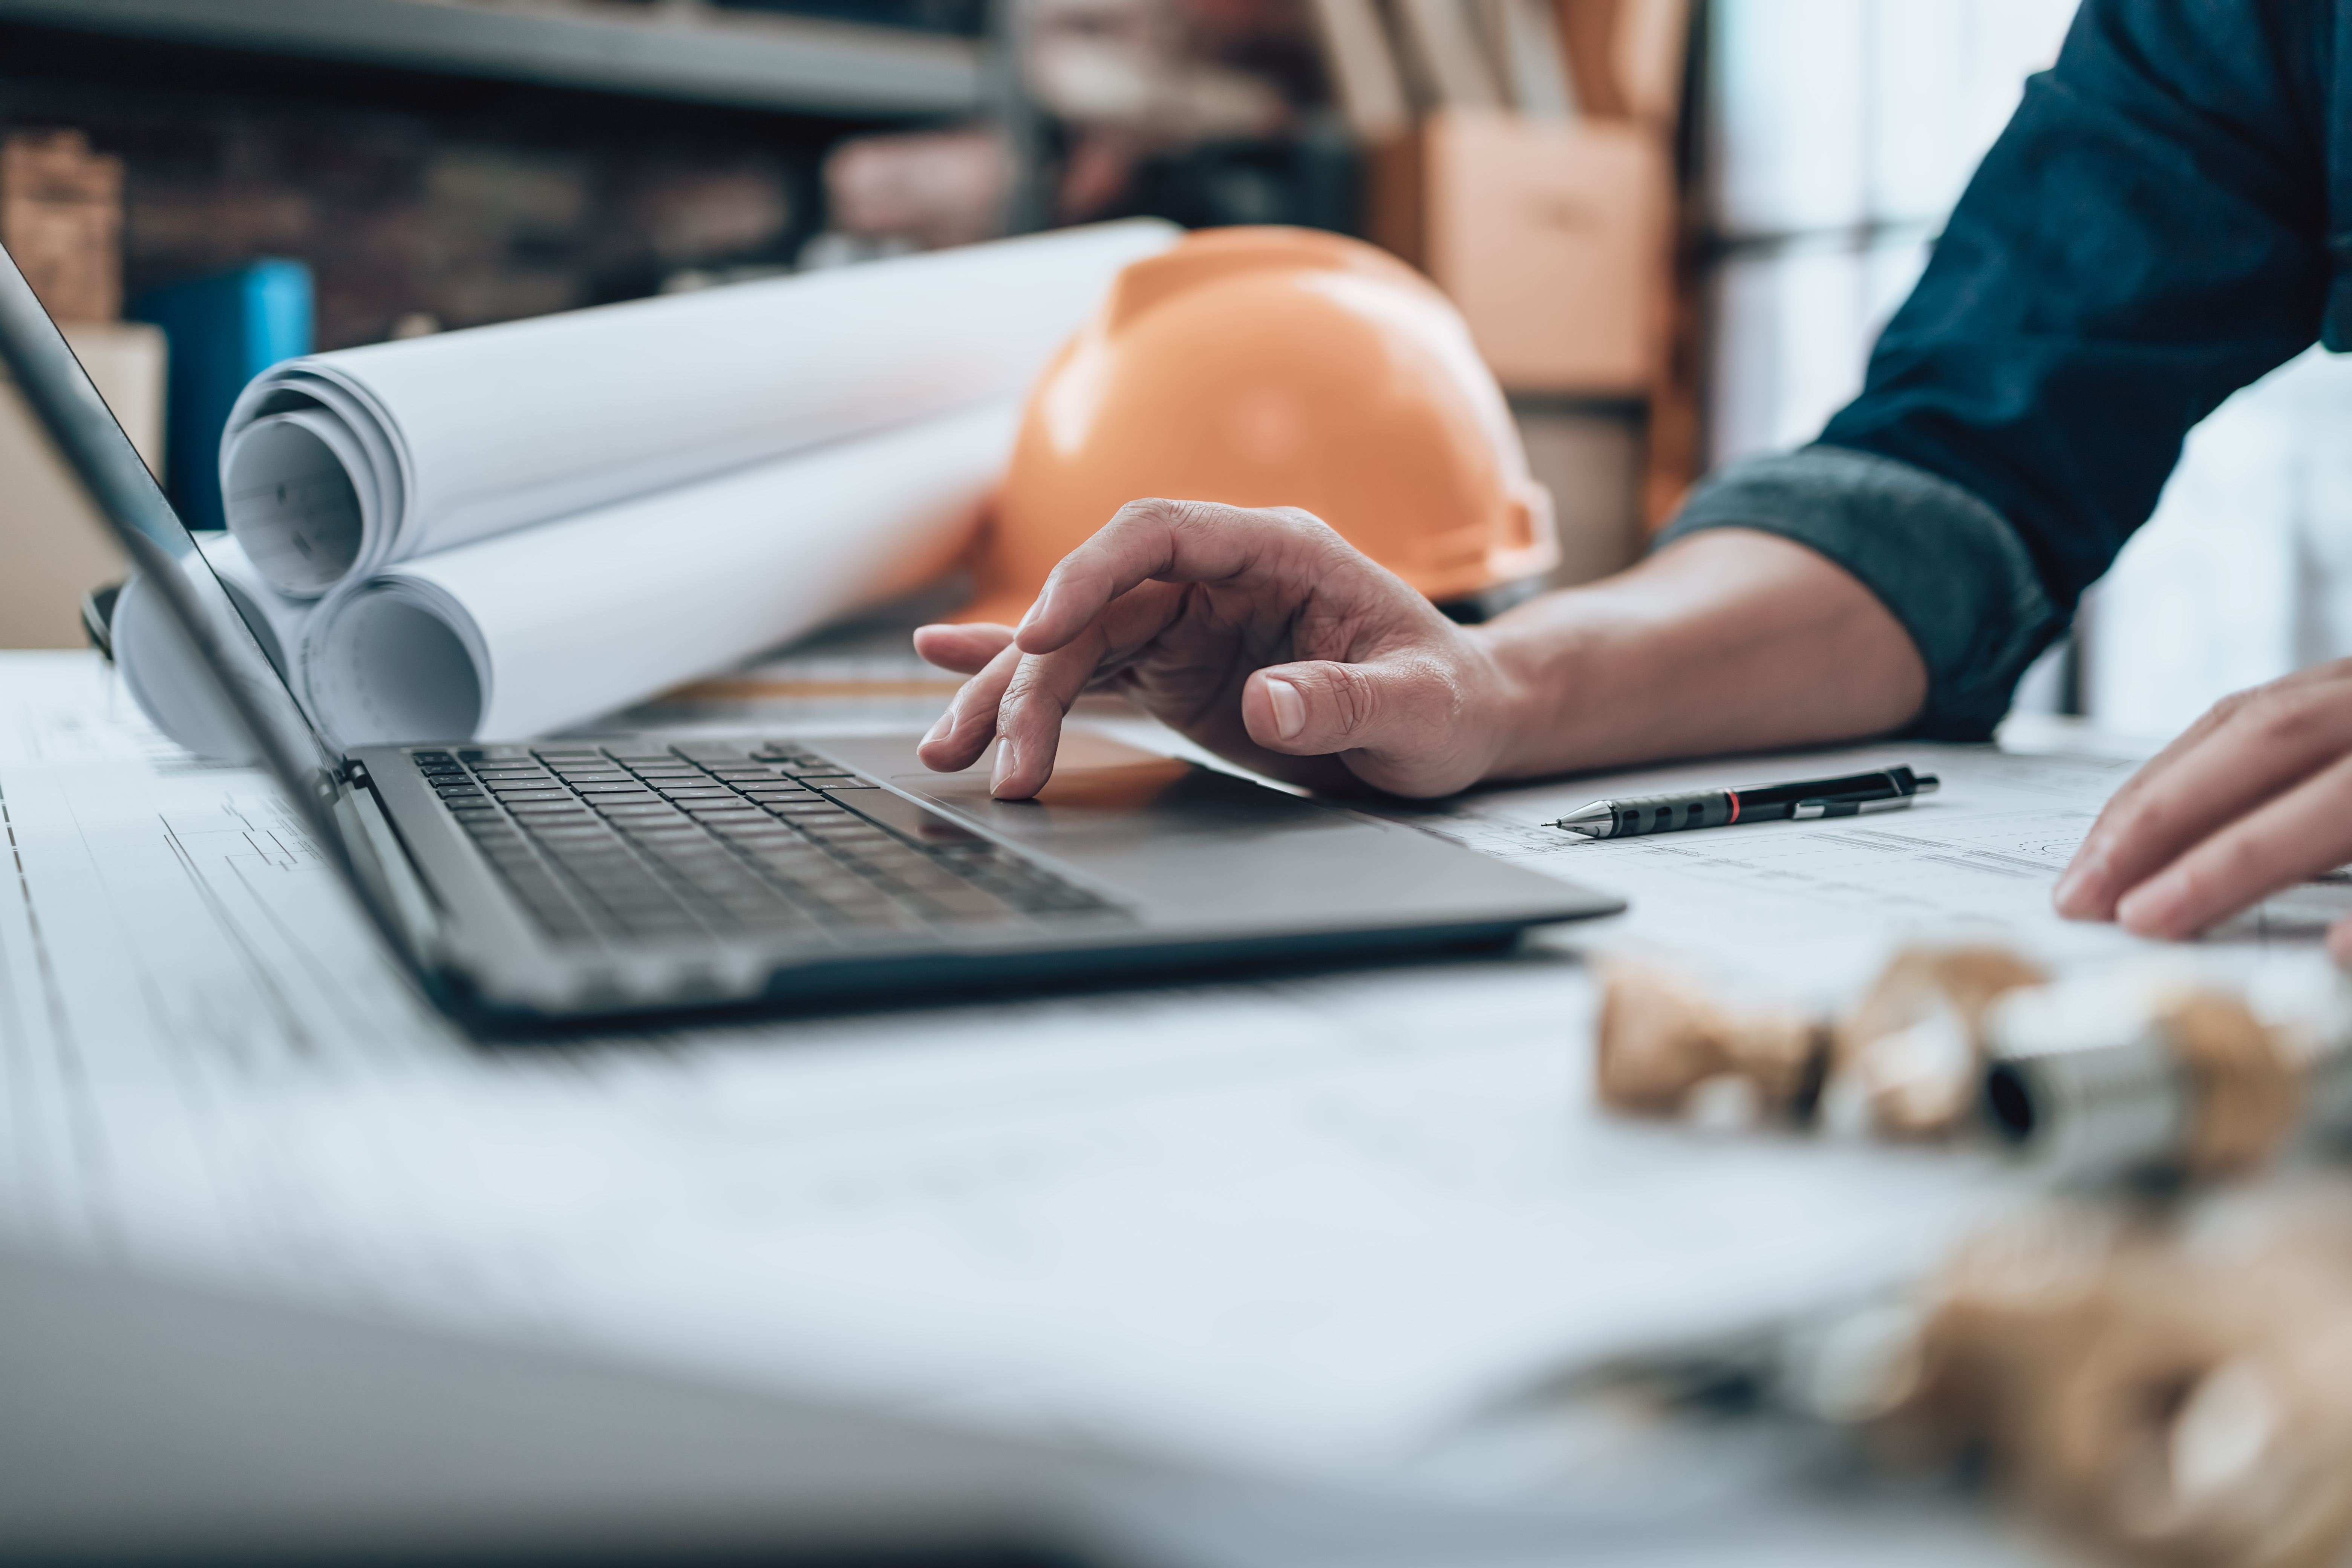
point(1887, 789)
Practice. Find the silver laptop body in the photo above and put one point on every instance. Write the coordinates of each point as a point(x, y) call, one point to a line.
point(628, 874)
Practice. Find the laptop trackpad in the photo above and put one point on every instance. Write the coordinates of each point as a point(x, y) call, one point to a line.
point(1101, 788)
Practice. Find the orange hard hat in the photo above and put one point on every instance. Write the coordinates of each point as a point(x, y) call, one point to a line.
point(1273, 367)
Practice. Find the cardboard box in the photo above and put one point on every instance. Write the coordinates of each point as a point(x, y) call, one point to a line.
point(61, 219)
point(58, 166)
point(1555, 240)
point(53, 546)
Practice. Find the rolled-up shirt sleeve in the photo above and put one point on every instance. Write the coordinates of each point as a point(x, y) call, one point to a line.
point(1945, 563)
point(2150, 234)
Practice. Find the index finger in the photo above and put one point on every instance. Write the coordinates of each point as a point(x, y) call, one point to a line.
point(1158, 541)
point(965, 649)
point(2249, 749)
point(2301, 834)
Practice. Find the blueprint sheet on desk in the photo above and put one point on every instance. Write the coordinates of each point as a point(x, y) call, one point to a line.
point(1814, 908)
point(1314, 1221)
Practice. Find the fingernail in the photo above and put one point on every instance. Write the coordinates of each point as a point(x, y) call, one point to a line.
point(1289, 706)
point(944, 728)
point(1037, 611)
point(1005, 761)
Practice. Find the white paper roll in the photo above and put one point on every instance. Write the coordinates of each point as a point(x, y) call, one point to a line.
point(275, 619)
point(337, 465)
point(158, 661)
point(549, 626)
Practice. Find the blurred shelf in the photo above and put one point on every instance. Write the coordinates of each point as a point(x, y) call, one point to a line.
point(666, 49)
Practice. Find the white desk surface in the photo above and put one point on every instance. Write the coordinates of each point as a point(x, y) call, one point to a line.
point(1312, 1227)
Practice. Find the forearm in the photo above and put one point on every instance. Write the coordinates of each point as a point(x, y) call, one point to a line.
point(1727, 640)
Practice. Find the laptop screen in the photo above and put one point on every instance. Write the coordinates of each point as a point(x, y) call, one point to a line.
point(223, 666)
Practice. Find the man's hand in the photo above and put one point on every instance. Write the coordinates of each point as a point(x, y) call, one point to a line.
point(1262, 635)
point(2256, 796)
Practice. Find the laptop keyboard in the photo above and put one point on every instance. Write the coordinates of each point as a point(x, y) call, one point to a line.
point(762, 839)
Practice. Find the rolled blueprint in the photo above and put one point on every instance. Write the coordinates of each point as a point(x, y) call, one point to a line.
point(547, 626)
point(338, 465)
point(155, 657)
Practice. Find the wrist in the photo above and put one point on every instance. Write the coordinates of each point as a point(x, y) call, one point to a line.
point(1727, 641)
point(1530, 662)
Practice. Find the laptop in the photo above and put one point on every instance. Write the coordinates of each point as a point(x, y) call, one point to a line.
point(563, 879)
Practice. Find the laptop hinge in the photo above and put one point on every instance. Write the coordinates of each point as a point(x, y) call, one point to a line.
point(382, 858)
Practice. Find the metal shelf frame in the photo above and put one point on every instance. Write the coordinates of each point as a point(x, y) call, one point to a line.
point(676, 50)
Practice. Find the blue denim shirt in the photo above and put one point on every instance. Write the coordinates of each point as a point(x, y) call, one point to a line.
point(2168, 217)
